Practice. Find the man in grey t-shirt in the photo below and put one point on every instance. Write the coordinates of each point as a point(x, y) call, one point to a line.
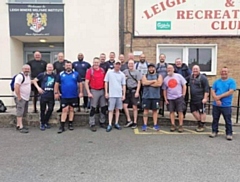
point(133, 83)
point(115, 89)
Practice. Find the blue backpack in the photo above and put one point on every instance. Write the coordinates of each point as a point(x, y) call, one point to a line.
point(13, 81)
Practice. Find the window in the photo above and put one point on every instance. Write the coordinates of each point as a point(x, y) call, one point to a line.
point(35, 1)
point(204, 55)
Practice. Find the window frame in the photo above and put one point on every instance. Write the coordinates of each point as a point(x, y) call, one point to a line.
point(185, 53)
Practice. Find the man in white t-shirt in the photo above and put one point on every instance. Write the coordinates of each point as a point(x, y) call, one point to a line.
point(22, 90)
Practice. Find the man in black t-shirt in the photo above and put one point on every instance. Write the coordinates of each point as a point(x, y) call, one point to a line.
point(58, 67)
point(104, 65)
point(37, 66)
point(46, 89)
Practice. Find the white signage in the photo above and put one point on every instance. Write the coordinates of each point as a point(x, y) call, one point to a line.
point(186, 17)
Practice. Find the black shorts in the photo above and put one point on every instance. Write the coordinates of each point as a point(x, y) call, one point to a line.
point(73, 102)
point(199, 107)
point(130, 98)
point(177, 105)
point(152, 104)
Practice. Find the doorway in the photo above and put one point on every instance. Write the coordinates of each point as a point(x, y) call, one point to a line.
point(49, 51)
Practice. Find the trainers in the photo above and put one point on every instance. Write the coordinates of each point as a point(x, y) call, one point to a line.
point(42, 127)
point(134, 126)
point(61, 130)
point(117, 126)
point(109, 128)
point(180, 129)
point(144, 127)
point(172, 128)
point(70, 127)
point(128, 124)
point(47, 126)
point(93, 128)
point(156, 127)
point(103, 125)
point(213, 135)
point(23, 130)
point(229, 137)
point(200, 129)
point(59, 110)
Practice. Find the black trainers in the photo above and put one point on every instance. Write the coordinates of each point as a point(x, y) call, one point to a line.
point(134, 126)
point(23, 130)
point(61, 130)
point(70, 127)
point(103, 125)
point(93, 128)
point(59, 110)
point(18, 127)
point(128, 124)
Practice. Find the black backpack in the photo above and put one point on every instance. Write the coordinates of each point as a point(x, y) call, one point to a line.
point(3, 108)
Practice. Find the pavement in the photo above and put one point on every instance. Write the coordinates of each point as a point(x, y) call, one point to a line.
point(118, 156)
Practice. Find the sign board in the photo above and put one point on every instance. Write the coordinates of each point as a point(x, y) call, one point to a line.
point(36, 20)
point(187, 17)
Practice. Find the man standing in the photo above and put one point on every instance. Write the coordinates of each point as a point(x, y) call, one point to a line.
point(182, 69)
point(151, 96)
point(104, 65)
point(161, 68)
point(70, 82)
point(81, 67)
point(59, 67)
point(22, 91)
point(46, 90)
point(111, 60)
point(174, 90)
point(133, 83)
point(124, 65)
point(115, 89)
point(142, 65)
point(222, 92)
point(95, 81)
point(37, 66)
point(199, 91)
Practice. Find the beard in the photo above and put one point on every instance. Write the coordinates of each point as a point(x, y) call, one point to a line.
point(142, 60)
point(162, 60)
point(80, 59)
point(151, 72)
point(68, 69)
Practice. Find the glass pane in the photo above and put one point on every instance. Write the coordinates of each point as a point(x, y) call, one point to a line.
point(201, 57)
point(172, 54)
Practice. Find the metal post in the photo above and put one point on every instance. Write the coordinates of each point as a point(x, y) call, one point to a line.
point(238, 106)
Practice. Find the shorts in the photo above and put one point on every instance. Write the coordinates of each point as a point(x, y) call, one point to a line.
point(73, 102)
point(130, 98)
point(177, 105)
point(152, 104)
point(114, 103)
point(21, 107)
point(199, 107)
point(98, 98)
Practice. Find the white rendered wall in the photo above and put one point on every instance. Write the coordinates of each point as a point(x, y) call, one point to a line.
point(91, 27)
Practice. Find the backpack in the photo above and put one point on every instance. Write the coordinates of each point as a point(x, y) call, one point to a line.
point(3, 108)
point(198, 79)
point(92, 71)
point(13, 81)
point(158, 65)
point(138, 64)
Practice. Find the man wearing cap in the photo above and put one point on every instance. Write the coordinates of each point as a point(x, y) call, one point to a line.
point(115, 89)
point(151, 95)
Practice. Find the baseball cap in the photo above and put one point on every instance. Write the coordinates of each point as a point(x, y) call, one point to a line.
point(151, 64)
point(118, 61)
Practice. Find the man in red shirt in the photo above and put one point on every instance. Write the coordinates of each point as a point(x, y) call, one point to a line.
point(94, 84)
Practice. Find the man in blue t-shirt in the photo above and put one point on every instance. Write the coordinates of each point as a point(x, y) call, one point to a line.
point(222, 93)
point(70, 82)
point(81, 67)
point(46, 89)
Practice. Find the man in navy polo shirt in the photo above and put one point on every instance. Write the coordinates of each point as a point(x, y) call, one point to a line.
point(111, 60)
point(70, 82)
point(81, 67)
point(47, 80)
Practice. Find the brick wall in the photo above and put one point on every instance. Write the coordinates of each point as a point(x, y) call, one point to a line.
point(228, 48)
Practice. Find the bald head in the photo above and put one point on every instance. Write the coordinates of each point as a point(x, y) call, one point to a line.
point(26, 69)
point(170, 70)
point(37, 56)
point(130, 56)
point(121, 58)
point(49, 68)
point(130, 64)
point(80, 56)
point(195, 70)
point(60, 57)
point(142, 58)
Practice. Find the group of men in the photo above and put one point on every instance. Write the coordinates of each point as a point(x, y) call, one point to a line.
point(113, 85)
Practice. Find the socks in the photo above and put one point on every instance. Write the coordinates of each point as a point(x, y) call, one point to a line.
point(70, 122)
point(62, 124)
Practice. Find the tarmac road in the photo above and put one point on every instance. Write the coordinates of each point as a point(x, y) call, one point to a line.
point(118, 156)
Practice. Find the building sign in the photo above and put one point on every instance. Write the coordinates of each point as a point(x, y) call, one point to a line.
point(36, 20)
point(187, 17)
